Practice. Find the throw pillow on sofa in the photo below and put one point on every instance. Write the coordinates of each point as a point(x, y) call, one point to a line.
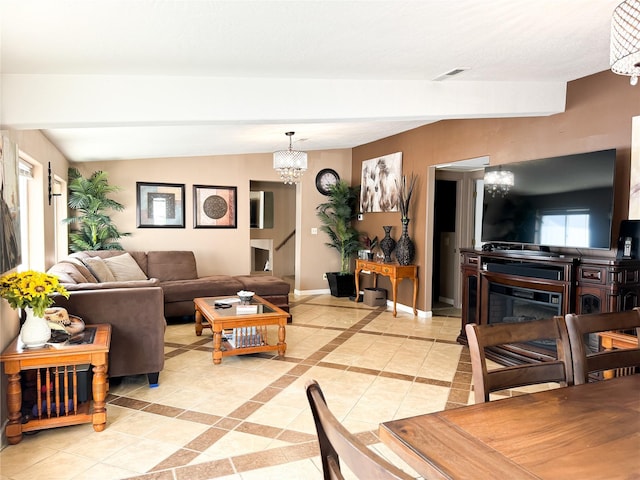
point(124, 268)
point(99, 269)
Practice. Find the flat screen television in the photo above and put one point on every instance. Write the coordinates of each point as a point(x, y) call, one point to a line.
point(562, 201)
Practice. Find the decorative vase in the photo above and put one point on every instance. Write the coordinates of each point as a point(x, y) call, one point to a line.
point(387, 244)
point(405, 249)
point(35, 331)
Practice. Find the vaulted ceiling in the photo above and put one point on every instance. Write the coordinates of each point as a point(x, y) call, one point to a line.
point(114, 79)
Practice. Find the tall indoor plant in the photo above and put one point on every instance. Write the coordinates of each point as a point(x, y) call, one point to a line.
point(89, 198)
point(337, 215)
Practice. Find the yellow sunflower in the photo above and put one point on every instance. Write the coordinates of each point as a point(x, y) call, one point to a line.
point(31, 289)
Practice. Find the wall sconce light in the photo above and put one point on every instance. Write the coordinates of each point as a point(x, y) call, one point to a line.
point(54, 187)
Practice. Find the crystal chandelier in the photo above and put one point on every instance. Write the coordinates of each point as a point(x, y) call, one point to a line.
point(290, 164)
point(625, 40)
point(498, 181)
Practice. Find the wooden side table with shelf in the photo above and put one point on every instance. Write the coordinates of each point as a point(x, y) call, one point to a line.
point(56, 373)
point(395, 272)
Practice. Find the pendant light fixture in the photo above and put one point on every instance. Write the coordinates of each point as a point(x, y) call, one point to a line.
point(498, 181)
point(625, 40)
point(290, 164)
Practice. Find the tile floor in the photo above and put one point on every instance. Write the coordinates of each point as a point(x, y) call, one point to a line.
point(248, 418)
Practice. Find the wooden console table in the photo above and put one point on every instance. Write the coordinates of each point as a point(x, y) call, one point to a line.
point(63, 362)
point(395, 272)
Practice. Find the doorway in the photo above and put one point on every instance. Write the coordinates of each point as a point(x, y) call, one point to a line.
point(451, 225)
point(273, 226)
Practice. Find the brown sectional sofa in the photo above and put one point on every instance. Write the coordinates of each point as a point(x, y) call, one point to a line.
point(136, 308)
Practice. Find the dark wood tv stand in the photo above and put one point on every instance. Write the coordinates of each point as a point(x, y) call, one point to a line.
point(560, 284)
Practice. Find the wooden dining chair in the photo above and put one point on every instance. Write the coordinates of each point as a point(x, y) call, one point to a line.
point(336, 443)
point(486, 381)
point(585, 360)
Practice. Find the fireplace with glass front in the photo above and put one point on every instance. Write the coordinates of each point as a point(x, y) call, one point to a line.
point(521, 286)
point(516, 304)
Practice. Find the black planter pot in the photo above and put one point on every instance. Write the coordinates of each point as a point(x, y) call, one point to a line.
point(342, 284)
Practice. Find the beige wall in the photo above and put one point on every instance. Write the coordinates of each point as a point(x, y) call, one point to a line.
point(598, 116)
point(224, 251)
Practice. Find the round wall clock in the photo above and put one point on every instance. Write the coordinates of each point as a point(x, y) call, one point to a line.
point(325, 179)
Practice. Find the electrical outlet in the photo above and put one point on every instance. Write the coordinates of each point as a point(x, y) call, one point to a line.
point(324, 276)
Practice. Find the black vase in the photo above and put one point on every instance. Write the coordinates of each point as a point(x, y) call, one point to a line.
point(405, 249)
point(387, 244)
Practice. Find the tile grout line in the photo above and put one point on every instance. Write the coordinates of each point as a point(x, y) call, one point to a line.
point(302, 365)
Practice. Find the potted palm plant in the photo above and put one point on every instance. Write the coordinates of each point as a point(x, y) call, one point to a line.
point(89, 198)
point(336, 216)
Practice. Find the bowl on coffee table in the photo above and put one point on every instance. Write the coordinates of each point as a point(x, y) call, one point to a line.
point(245, 296)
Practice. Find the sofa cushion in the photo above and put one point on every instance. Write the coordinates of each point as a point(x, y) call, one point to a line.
point(215, 285)
point(99, 269)
point(264, 284)
point(124, 268)
point(139, 257)
point(68, 273)
point(172, 265)
point(82, 268)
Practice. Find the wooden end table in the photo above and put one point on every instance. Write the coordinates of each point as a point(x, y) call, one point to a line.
point(395, 272)
point(62, 360)
point(219, 319)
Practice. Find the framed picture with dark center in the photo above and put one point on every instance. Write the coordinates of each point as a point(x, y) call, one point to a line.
point(215, 207)
point(160, 205)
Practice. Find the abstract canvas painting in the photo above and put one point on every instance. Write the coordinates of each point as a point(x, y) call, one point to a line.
point(379, 183)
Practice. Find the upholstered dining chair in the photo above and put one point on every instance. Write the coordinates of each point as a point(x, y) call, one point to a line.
point(584, 360)
point(337, 443)
point(486, 381)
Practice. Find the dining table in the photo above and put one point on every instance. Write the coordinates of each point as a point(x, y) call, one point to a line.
point(589, 431)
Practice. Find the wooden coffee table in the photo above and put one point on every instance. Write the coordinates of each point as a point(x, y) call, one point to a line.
point(249, 329)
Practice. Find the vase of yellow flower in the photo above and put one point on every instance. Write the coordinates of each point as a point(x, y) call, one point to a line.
point(31, 291)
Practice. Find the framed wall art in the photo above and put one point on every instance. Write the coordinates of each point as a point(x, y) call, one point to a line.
point(215, 207)
point(9, 206)
point(160, 205)
point(379, 183)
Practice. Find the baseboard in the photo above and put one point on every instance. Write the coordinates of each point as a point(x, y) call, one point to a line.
point(325, 291)
point(408, 309)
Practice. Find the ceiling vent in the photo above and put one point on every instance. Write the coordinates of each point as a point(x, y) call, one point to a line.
point(450, 73)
